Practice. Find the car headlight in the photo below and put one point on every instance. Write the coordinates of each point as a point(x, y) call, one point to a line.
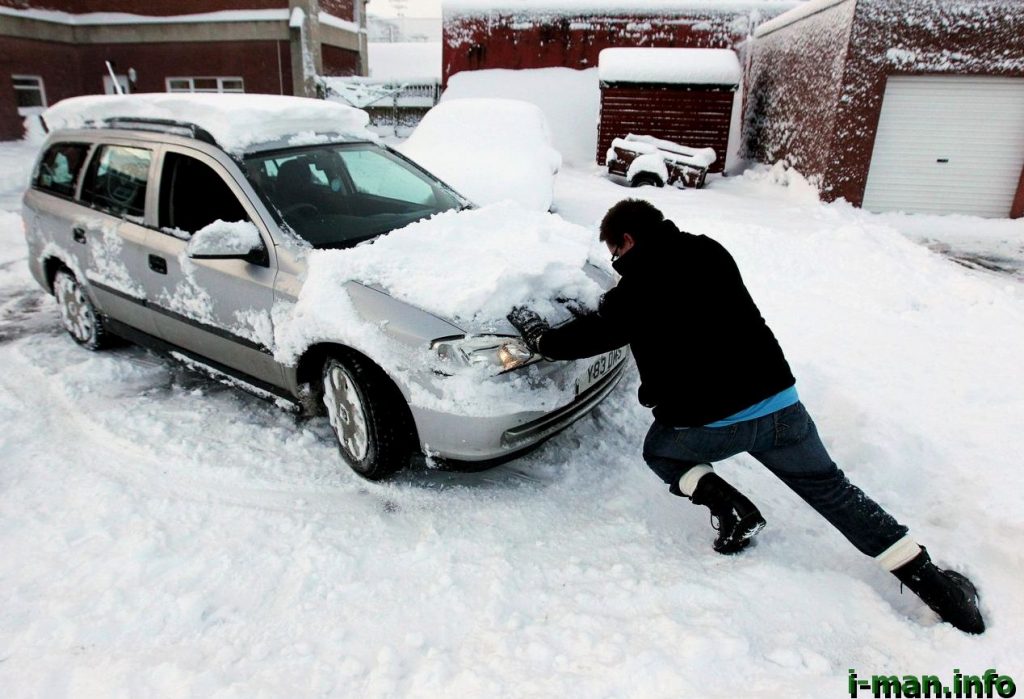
point(500, 353)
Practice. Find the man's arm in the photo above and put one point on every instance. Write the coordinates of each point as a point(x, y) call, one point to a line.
point(587, 335)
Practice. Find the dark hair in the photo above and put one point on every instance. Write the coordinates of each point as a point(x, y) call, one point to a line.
point(633, 216)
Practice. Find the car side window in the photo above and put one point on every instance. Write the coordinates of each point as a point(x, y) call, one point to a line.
point(116, 180)
point(193, 195)
point(374, 174)
point(59, 168)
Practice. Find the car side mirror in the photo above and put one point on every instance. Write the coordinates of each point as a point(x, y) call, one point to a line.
point(221, 240)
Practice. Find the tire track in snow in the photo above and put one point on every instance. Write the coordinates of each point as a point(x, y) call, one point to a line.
point(144, 470)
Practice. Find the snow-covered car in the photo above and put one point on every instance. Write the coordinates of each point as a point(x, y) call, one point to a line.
point(490, 150)
point(246, 236)
point(645, 160)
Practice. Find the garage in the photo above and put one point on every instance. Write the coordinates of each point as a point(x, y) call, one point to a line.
point(894, 105)
point(948, 144)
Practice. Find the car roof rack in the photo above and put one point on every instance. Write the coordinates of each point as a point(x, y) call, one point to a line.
point(168, 126)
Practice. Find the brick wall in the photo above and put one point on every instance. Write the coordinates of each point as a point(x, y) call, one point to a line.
point(338, 61)
point(551, 40)
point(56, 64)
point(339, 8)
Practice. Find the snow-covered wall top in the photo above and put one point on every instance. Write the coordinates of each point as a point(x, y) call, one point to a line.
point(107, 18)
point(671, 66)
point(796, 14)
point(585, 7)
point(237, 122)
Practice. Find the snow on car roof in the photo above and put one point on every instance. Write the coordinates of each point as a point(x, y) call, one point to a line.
point(674, 66)
point(236, 122)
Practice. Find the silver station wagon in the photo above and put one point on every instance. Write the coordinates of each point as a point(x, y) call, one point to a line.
point(150, 229)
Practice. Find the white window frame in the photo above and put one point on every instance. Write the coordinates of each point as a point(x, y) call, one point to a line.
point(192, 84)
point(29, 111)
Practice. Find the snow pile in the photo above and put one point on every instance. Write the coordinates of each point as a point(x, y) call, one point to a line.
point(490, 150)
point(570, 99)
point(237, 122)
point(405, 61)
point(471, 266)
point(670, 66)
point(225, 238)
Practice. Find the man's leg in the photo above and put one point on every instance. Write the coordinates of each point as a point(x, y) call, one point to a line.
point(791, 449)
point(788, 444)
point(681, 457)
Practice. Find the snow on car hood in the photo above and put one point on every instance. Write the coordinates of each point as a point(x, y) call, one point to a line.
point(471, 267)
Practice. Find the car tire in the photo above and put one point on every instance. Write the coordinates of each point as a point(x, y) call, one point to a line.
point(369, 417)
point(646, 178)
point(77, 313)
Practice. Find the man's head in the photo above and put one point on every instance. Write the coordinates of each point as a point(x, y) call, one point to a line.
point(627, 223)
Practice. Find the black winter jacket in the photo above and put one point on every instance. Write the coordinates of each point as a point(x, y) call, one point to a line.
point(702, 348)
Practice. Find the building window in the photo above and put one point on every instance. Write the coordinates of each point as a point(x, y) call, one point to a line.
point(205, 85)
point(30, 95)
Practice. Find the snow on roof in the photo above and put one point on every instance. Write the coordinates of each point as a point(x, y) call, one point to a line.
point(107, 18)
point(674, 66)
point(85, 19)
point(235, 121)
point(628, 7)
point(405, 61)
point(796, 14)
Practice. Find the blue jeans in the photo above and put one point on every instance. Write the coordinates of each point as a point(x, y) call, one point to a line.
point(787, 443)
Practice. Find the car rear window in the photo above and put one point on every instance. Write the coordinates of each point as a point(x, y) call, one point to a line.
point(59, 168)
point(116, 180)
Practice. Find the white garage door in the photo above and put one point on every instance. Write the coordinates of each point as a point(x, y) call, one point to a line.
point(948, 145)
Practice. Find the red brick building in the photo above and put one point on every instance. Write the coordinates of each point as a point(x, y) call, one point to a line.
point(913, 105)
point(52, 49)
point(481, 34)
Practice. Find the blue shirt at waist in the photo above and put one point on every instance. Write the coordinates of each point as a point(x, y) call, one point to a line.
point(780, 400)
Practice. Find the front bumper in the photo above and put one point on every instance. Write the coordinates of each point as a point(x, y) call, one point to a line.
point(462, 438)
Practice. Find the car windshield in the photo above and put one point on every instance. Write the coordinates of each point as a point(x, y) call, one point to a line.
point(338, 195)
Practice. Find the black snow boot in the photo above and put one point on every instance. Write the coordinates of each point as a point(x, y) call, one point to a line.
point(738, 519)
point(949, 594)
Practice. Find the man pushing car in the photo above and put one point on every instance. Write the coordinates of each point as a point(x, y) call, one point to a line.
point(718, 384)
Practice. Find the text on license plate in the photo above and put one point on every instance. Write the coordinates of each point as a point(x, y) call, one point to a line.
point(598, 368)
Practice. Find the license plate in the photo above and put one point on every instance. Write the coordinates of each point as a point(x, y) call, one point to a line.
point(599, 368)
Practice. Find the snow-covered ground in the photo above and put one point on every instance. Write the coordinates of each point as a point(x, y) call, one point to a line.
point(163, 535)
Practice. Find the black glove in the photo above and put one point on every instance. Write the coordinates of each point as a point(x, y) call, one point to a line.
point(530, 325)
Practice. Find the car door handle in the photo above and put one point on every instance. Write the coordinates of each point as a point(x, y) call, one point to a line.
point(942, 160)
point(78, 234)
point(158, 264)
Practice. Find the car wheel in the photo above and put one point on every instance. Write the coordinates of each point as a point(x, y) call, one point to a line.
point(77, 314)
point(369, 417)
point(646, 178)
